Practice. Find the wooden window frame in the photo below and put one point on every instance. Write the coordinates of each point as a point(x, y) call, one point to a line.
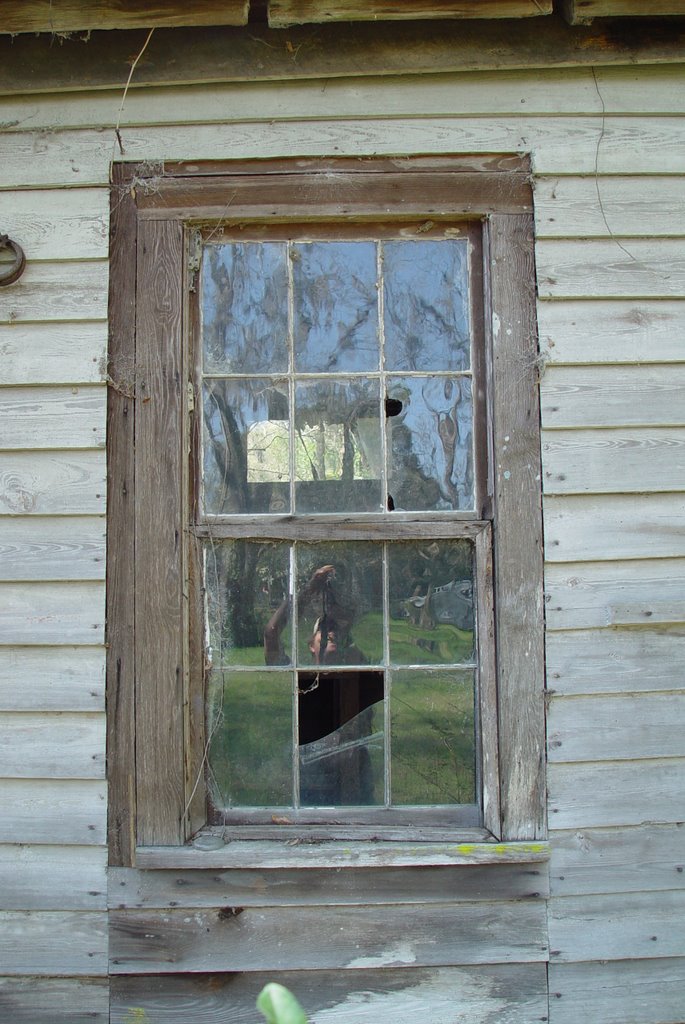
point(155, 646)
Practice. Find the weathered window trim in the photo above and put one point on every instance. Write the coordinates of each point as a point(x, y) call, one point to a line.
point(155, 718)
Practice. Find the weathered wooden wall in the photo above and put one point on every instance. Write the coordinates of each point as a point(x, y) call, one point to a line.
point(607, 150)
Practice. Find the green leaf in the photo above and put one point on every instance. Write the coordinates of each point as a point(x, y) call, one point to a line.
point(280, 1006)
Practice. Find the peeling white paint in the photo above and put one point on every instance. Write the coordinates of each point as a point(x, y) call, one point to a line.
point(402, 954)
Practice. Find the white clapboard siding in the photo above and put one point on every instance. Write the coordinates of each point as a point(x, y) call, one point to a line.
point(612, 331)
point(616, 660)
point(603, 860)
point(613, 396)
point(53, 483)
point(615, 793)
point(53, 353)
point(52, 548)
point(599, 207)
point(593, 595)
point(628, 992)
point(53, 877)
point(75, 226)
point(53, 417)
point(73, 290)
point(588, 528)
point(56, 1000)
point(60, 745)
point(626, 460)
point(52, 613)
point(70, 943)
point(603, 268)
point(617, 927)
point(53, 811)
point(614, 727)
point(52, 679)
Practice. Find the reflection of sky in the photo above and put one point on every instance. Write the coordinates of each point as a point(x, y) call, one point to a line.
point(426, 305)
point(336, 306)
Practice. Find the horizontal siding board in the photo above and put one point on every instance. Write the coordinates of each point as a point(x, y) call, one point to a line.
point(133, 889)
point(611, 728)
point(617, 927)
point(590, 207)
point(60, 745)
point(604, 269)
point(63, 943)
point(619, 992)
point(59, 548)
point(593, 595)
point(612, 331)
point(71, 226)
point(55, 1000)
point(53, 877)
point(588, 528)
point(53, 353)
point(52, 679)
point(615, 793)
point(613, 396)
point(56, 417)
point(53, 483)
point(332, 937)
point(516, 993)
point(47, 811)
point(625, 460)
point(604, 860)
point(52, 613)
point(73, 290)
point(616, 660)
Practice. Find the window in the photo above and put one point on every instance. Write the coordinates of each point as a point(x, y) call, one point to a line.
point(325, 496)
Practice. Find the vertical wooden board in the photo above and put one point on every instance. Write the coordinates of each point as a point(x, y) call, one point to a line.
point(605, 860)
point(159, 559)
point(36, 548)
point(581, 527)
point(57, 745)
point(53, 877)
point(74, 290)
point(62, 943)
point(515, 993)
point(56, 417)
point(625, 461)
point(58, 353)
point(614, 727)
point(70, 225)
point(622, 992)
point(54, 1000)
point(616, 660)
point(52, 613)
point(52, 679)
point(518, 530)
point(53, 811)
point(615, 793)
point(613, 396)
point(52, 483)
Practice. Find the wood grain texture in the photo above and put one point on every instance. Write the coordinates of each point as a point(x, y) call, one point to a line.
point(52, 483)
point(619, 992)
point(151, 942)
point(53, 353)
point(600, 268)
point(55, 1000)
point(61, 745)
point(72, 290)
point(615, 793)
point(74, 228)
point(52, 613)
point(40, 417)
point(66, 943)
point(53, 878)
point(49, 679)
point(588, 528)
point(579, 12)
point(616, 660)
point(67, 812)
point(64, 548)
point(640, 859)
point(284, 13)
point(76, 15)
point(626, 460)
point(611, 396)
point(613, 728)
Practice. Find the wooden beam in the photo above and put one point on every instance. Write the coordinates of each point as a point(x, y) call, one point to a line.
point(580, 12)
point(283, 13)
point(89, 15)
point(32, 64)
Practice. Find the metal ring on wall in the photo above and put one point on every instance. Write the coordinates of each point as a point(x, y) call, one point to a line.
point(11, 272)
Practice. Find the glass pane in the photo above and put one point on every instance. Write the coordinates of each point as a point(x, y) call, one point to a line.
point(430, 442)
point(248, 608)
point(431, 602)
point(341, 736)
point(338, 446)
point(426, 305)
point(246, 452)
point(340, 604)
point(433, 737)
point(245, 308)
point(251, 730)
point(335, 306)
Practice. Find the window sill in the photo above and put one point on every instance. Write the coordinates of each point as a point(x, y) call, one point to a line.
point(267, 853)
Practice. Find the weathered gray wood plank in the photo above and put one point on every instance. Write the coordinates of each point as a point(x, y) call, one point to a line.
point(47, 811)
point(53, 877)
point(59, 745)
point(52, 679)
point(615, 793)
point(587, 528)
point(64, 417)
point(52, 483)
point(73, 228)
point(53, 353)
point(603, 269)
point(604, 860)
point(284, 13)
point(41, 16)
point(152, 942)
point(611, 396)
point(619, 992)
point(579, 13)
point(590, 207)
point(616, 727)
point(55, 1000)
point(74, 290)
point(41, 548)
point(52, 613)
point(626, 460)
point(616, 660)
point(66, 943)
point(516, 993)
